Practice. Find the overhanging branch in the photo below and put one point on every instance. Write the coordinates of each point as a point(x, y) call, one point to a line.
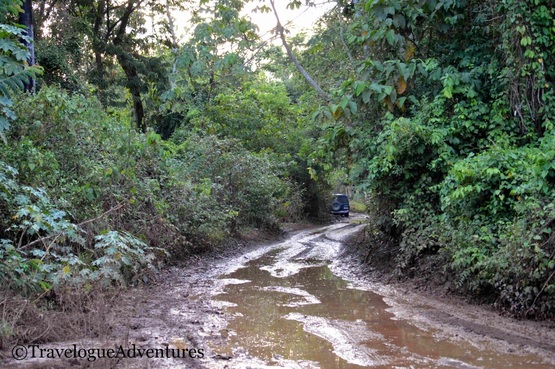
point(295, 61)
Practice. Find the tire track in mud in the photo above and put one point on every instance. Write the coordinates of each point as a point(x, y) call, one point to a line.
point(292, 296)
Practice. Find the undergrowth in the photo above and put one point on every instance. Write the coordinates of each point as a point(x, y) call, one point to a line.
point(88, 204)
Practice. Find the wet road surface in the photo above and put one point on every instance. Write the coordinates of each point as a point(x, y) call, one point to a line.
point(290, 310)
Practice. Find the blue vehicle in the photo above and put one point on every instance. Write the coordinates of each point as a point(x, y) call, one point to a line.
point(340, 205)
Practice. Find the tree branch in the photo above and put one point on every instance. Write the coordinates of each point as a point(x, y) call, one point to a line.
point(351, 59)
point(295, 61)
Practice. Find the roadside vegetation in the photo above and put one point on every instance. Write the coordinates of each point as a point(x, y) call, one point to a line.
point(445, 120)
point(124, 148)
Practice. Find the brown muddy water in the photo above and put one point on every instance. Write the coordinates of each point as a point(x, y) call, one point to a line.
point(290, 310)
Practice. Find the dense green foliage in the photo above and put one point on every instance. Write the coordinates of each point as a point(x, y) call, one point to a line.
point(448, 120)
point(200, 188)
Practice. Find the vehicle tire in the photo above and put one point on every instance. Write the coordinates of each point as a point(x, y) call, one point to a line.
point(336, 206)
point(347, 215)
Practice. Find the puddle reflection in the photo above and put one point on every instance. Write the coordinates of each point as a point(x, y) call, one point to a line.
point(313, 316)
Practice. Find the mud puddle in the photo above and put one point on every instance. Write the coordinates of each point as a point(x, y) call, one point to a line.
point(288, 309)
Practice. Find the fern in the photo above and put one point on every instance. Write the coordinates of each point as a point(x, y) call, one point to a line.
point(121, 256)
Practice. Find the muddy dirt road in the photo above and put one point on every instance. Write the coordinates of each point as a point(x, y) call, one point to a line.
point(296, 305)
point(299, 304)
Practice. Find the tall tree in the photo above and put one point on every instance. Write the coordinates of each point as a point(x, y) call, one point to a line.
point(114, 32)
point(111, 38)
point(215, 57)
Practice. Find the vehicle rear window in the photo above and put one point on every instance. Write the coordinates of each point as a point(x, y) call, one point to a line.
point(342, 199)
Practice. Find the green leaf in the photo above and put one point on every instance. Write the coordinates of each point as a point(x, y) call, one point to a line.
point(390, 36)
point(344, 102)
point(359, 87)
point(526, 40)
point(366, 96)
point(4, 124)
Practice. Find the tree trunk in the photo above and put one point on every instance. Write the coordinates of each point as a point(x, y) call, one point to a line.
point(127, 63)
point(26, 19)
point(99, 47)
point(133, 83)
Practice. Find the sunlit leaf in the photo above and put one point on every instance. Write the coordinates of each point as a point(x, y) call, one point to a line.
point(401, 85)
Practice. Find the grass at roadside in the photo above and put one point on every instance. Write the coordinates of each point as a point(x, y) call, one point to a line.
point(357, 206)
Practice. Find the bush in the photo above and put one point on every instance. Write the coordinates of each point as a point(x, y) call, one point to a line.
point(89, 204)
point(91, 199)
point(499, 209)
point(230, 187)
